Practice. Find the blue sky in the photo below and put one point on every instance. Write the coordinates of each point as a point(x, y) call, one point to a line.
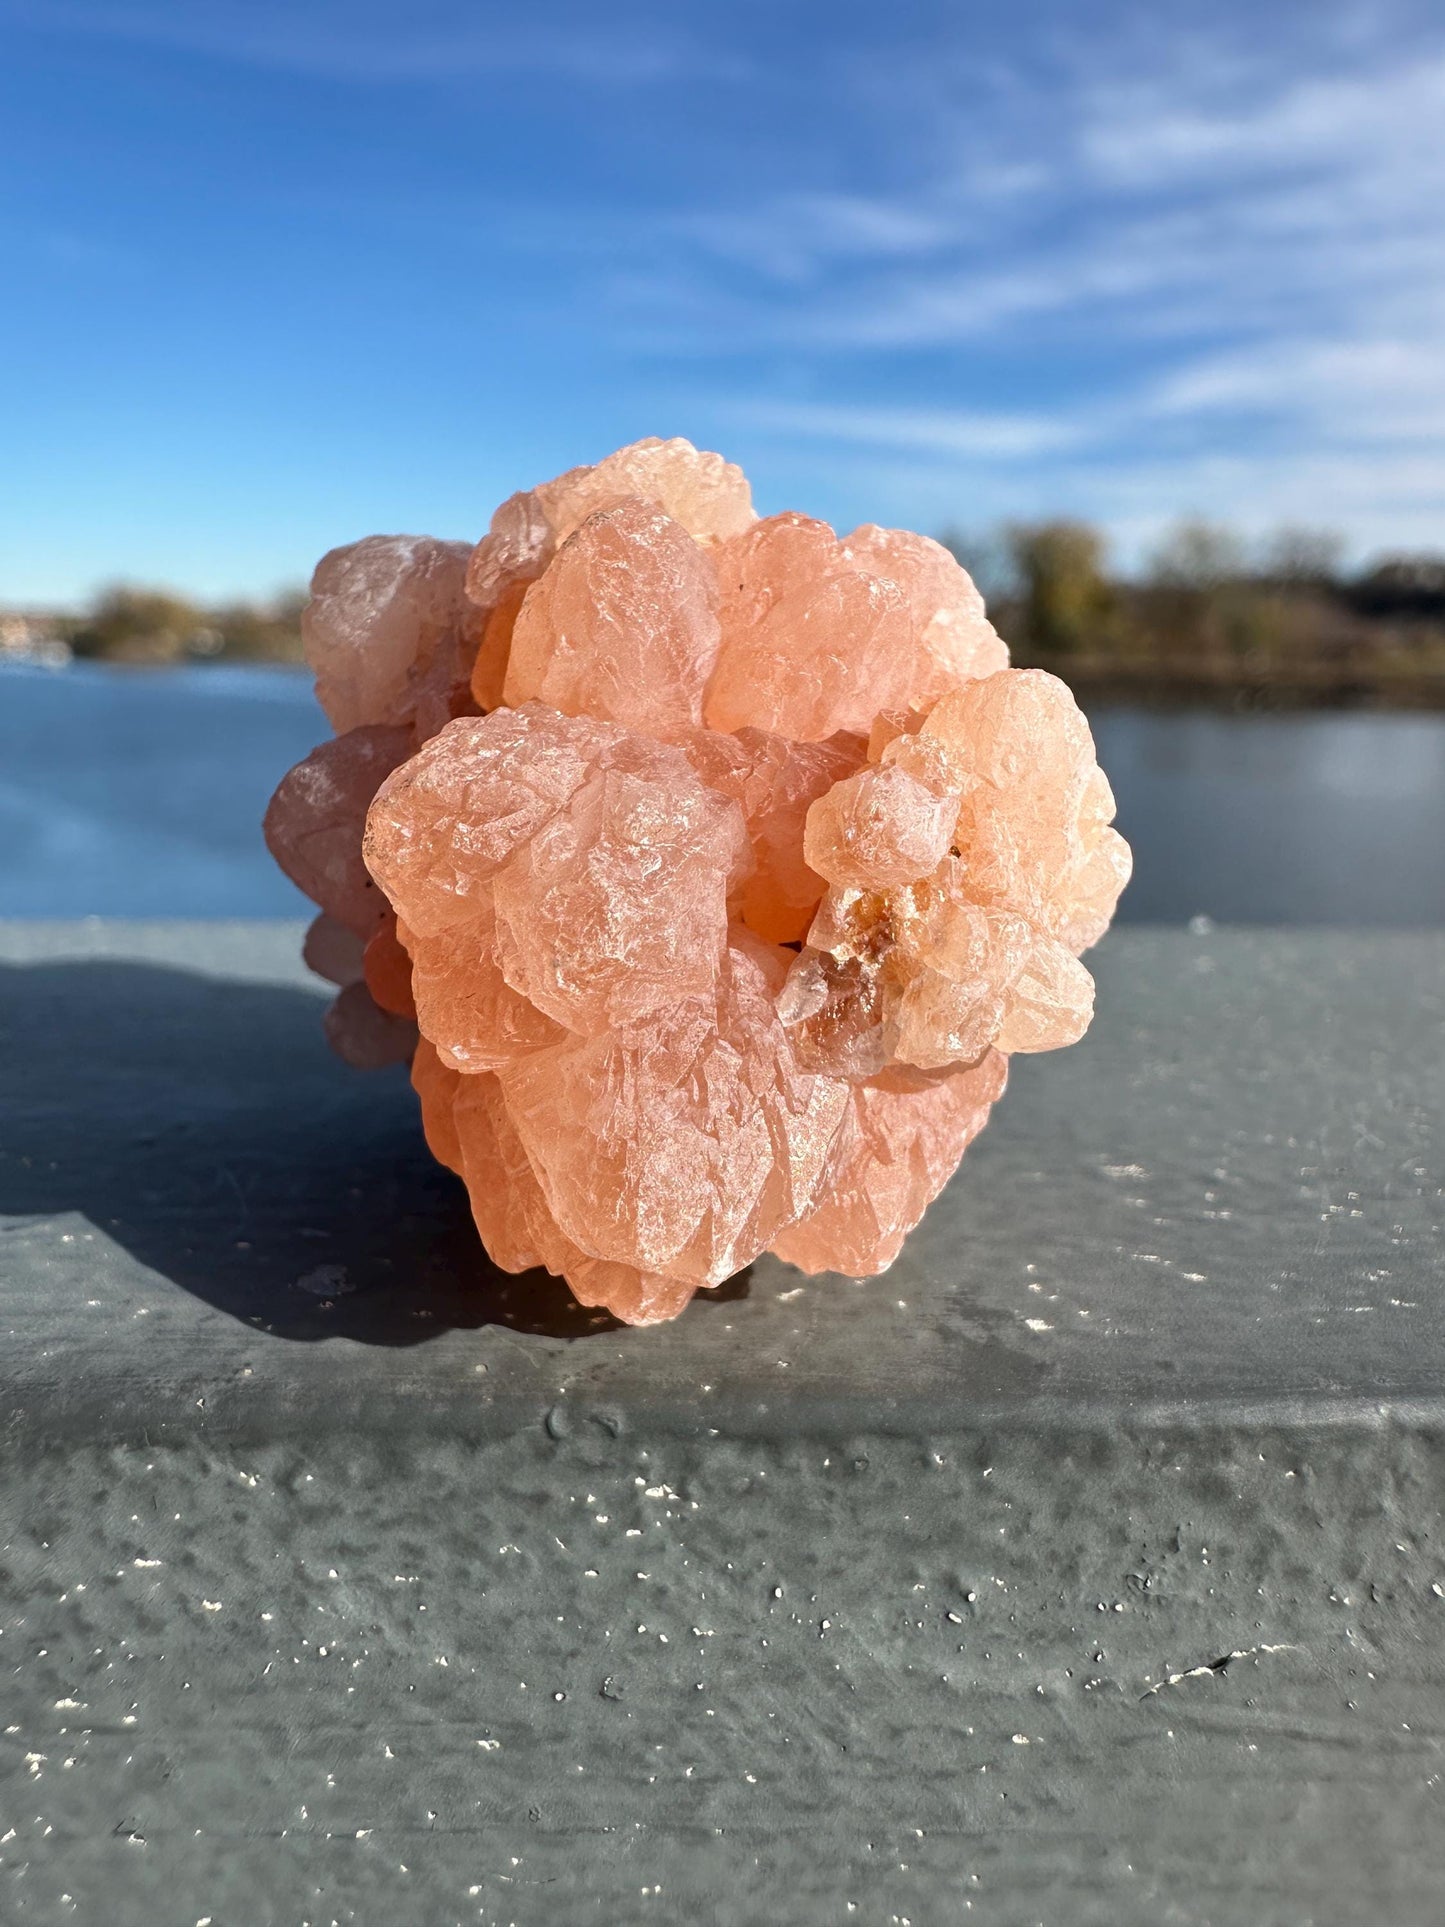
point(280, 272)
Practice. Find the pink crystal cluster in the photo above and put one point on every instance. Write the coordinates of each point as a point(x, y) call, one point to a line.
point(707, 868)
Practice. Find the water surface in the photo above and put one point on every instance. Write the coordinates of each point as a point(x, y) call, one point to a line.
point(1314, 817)
point(140, 793)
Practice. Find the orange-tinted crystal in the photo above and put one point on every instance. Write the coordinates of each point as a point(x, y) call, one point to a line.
point(720, 921)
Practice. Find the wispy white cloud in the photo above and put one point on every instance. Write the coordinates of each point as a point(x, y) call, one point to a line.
point(1377, 389)
point(1381, 498)
point(1104, 265)
point(375, 41)
point(1143, 136)
point(1332, 190)
point(790, 237)
point(1242, 259)
point(984, 436)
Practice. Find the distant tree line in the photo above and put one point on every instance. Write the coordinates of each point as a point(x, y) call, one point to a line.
point(137, 625)
point(1209, 608)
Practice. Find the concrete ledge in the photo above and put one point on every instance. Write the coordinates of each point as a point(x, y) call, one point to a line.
point(1100, 1580)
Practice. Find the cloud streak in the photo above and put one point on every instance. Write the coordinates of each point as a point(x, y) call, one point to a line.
point(376, 42)
point(1244, 263)
point(933, 263)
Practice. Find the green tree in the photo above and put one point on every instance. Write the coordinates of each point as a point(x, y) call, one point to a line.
point(1300, 558)
point(1066, 601)
point(1198, 557)
point(984, 553)
point(1207, 601)
point(138, 625)
point(262, 632)
point(157, 626)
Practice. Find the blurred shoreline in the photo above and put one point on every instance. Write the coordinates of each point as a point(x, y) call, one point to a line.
point(1097, 680)
point(1105, 681)
point(1210, 621)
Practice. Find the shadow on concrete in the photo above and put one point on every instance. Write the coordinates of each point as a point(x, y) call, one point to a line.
point(205, 1126)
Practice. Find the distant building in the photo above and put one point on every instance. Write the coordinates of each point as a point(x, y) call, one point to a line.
point(29, 639)
point(1404, 585)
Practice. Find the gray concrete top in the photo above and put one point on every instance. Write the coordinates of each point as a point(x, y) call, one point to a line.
point(1036, 1581)
point(1227, 1198)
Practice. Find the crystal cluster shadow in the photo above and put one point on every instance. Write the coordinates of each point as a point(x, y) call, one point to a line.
point(203, 1126)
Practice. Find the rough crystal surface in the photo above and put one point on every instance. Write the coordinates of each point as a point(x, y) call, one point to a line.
point(389, 630)
point(314, 827)
point(968, 866)
point(707, 869)
point(622, 626)
point(820, 632)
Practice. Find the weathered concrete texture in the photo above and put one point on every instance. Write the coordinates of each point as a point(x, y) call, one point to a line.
point(1101, 1581)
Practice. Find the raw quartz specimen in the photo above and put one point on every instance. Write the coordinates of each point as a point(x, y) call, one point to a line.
point(707, 868)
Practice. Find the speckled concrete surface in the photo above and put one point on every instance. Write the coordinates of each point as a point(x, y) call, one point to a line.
point(1100, 1580)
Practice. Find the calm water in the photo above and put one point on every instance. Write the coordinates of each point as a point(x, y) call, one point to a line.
point(140, 794)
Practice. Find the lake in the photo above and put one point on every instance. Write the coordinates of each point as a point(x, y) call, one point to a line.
point(140, 793)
